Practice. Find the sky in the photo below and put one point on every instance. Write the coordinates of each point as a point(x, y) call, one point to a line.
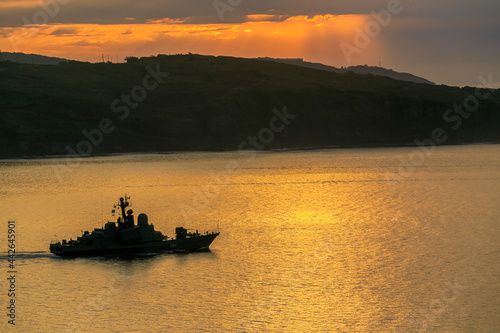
point(450, 42)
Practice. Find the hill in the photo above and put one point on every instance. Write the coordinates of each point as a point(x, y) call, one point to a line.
point(380, 71)
point(215, 103)
point(35, 59)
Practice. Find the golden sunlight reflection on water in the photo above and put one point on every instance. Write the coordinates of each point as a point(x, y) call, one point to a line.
point(310, 241)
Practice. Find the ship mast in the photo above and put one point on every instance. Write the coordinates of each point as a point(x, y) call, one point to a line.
point(123, 203)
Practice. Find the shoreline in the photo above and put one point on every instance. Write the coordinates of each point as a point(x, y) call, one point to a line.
point(274, 150)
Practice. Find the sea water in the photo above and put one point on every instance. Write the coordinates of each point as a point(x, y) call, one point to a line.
point(347, 240)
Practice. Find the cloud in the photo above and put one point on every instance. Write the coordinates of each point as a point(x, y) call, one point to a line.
point(86, 43)
point(65, 31)
point(429, 38)
point(203, 12)
point(266, 17)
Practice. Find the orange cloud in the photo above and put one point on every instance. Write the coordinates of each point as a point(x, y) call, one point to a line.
point(313, 38)
point(264, 17)
point(18, 3)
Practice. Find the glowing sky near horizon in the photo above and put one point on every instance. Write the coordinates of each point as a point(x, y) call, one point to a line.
point(452, 42)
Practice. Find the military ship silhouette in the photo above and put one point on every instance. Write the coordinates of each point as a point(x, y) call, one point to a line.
point(124, 237)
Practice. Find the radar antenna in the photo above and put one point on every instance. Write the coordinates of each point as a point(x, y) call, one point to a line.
point(122, 204)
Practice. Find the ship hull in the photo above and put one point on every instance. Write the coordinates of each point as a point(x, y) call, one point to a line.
point(198, 243)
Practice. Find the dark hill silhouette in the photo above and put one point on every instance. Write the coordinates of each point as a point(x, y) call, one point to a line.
point(215, 103)
point(380, 71)
point(34, 59)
